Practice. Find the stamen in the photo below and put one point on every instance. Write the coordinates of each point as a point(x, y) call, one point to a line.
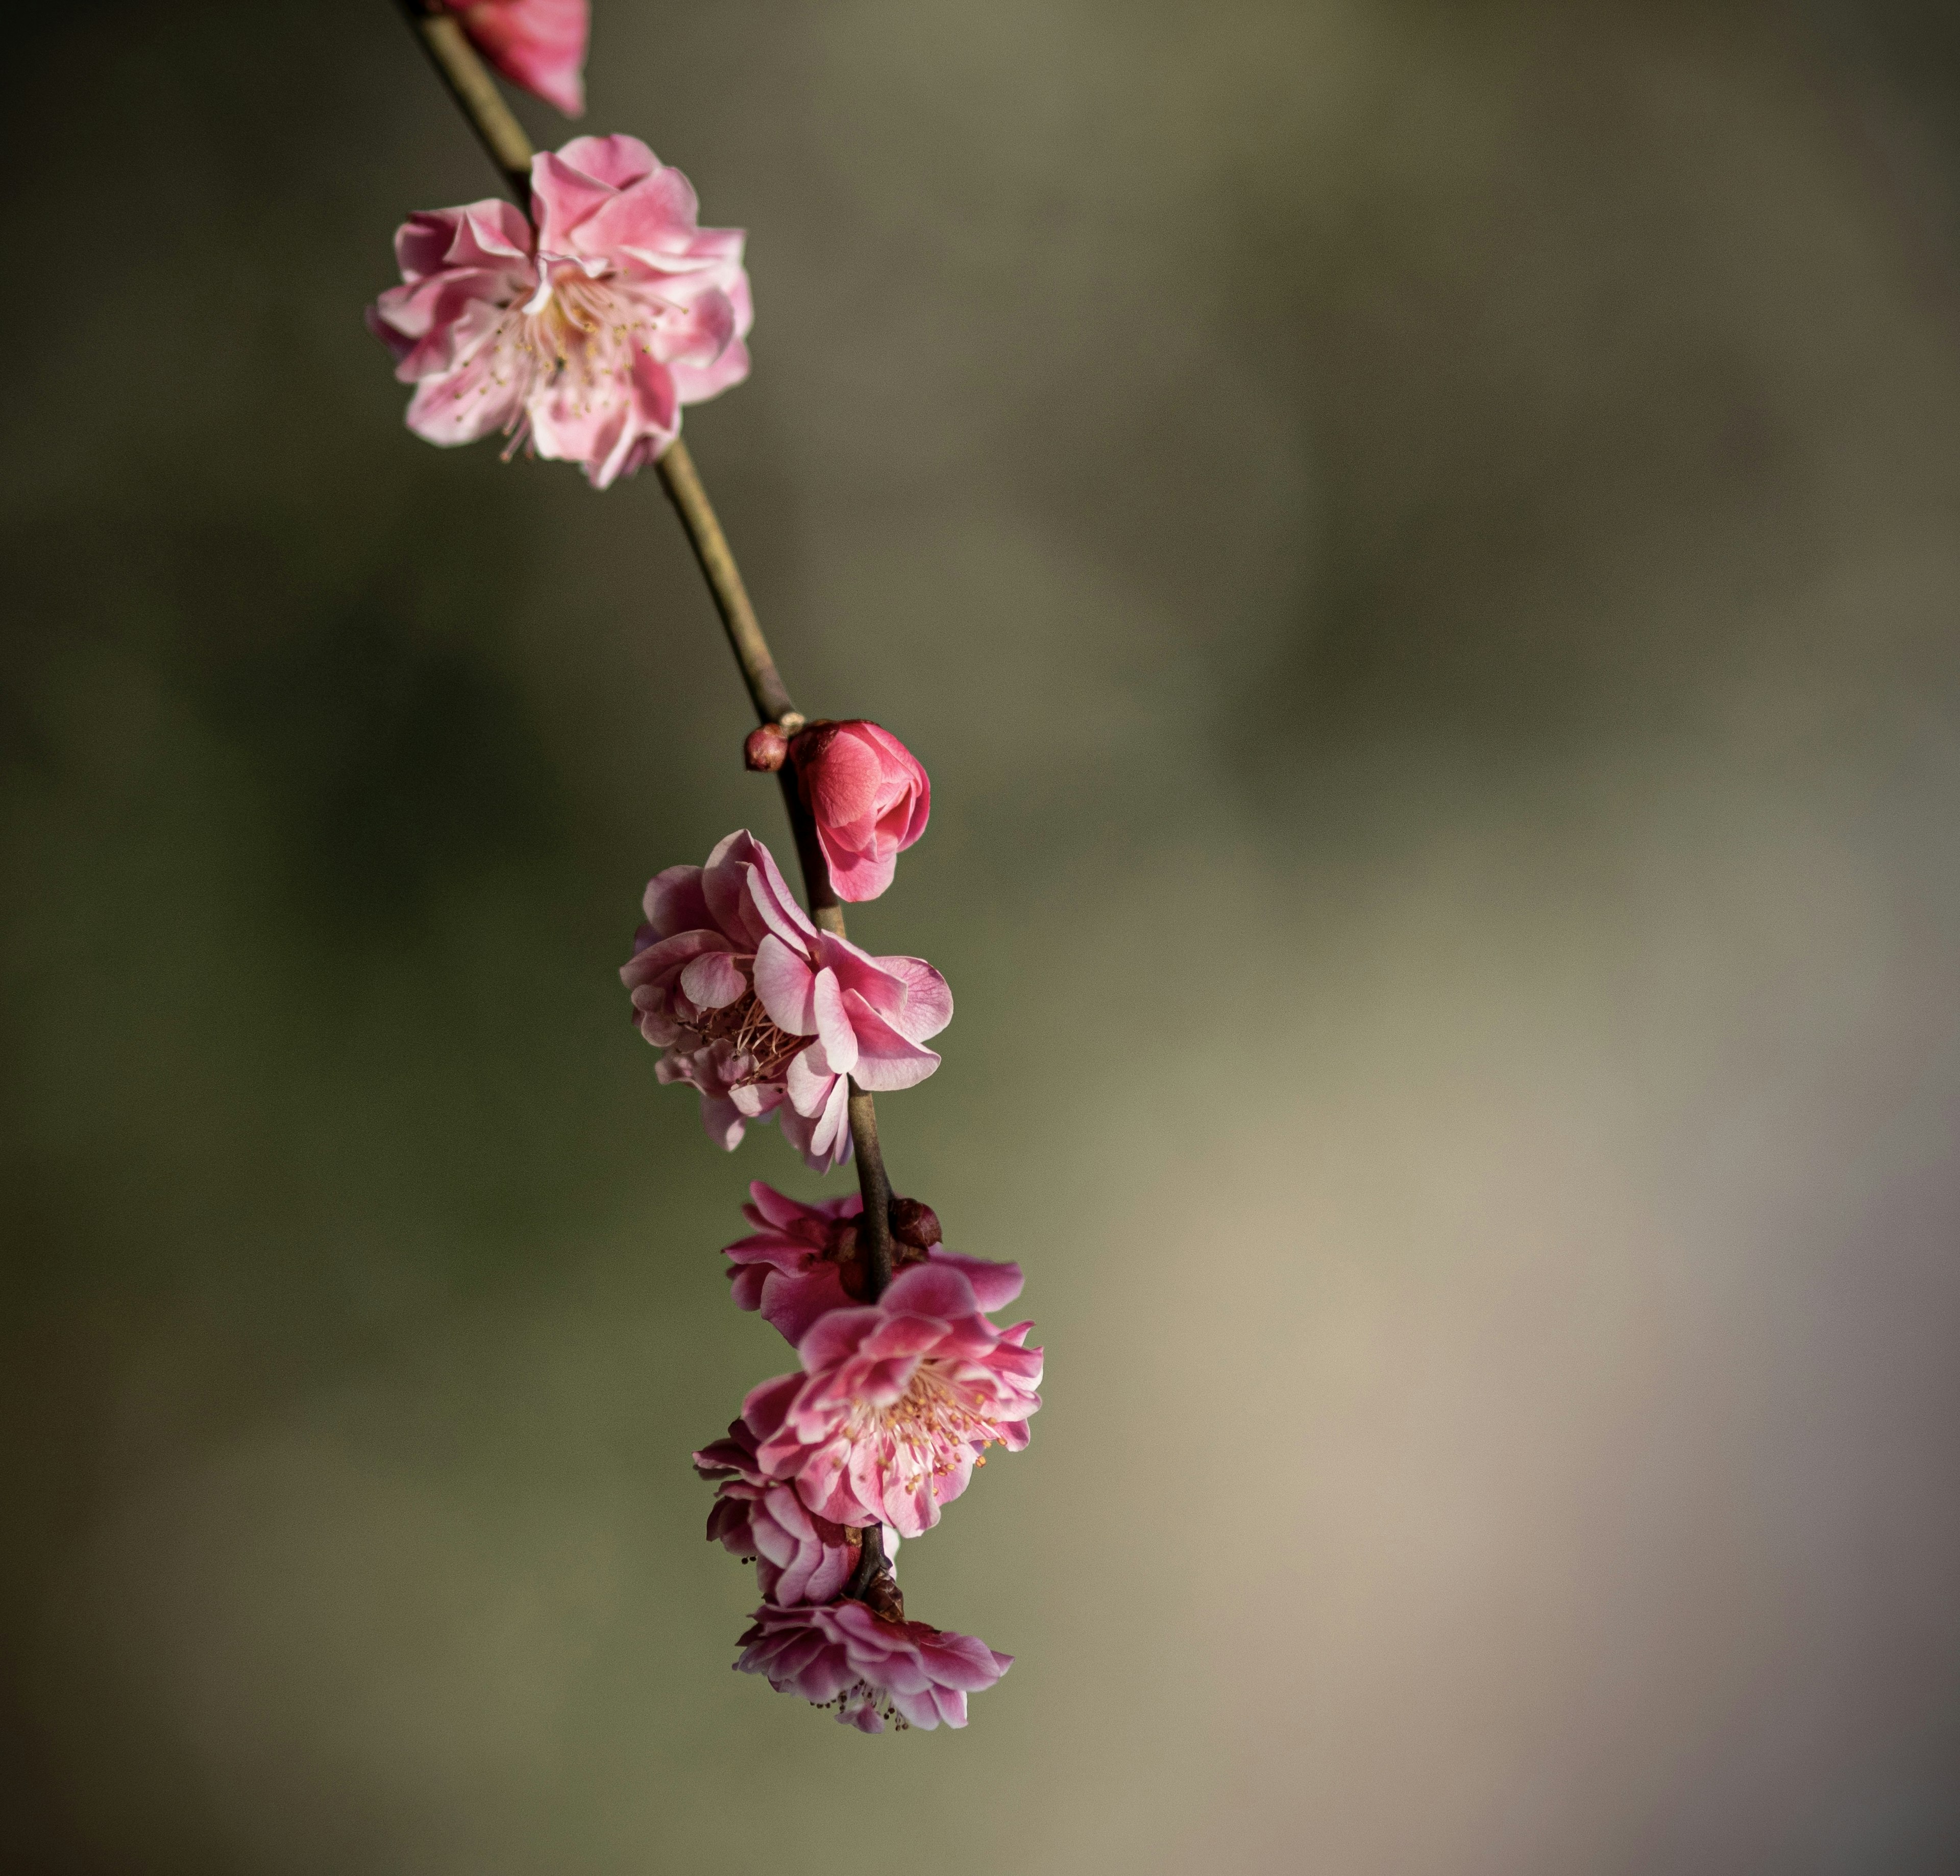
point(921, 1434)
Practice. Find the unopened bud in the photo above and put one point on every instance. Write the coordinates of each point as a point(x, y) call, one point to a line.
point(915, 1223)
point(766, 749)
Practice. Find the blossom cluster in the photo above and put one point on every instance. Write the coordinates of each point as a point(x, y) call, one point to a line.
point(578, 325)
point(895, 1403)
point(900, 1390)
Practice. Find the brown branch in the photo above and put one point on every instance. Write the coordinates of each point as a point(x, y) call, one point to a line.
point(478, 98)
point(475, 92)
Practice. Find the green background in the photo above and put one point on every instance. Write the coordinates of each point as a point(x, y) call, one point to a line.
point(1420, 545)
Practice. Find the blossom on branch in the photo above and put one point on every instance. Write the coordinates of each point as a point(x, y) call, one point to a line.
point(803, 1260)
point(897, 1402)
point(580, 338)
point(871, 1669)
point(767, 1015)
point(539, 45)
point(799, 1557)
point(870, 797)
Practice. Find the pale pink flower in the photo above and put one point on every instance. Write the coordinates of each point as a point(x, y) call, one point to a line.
point(799, 1557)
point(869, 798)
point(765, 1014)
point(898, 1401)
point(805, 1260)
point(538, 44)
point(581, 340)
point(870, 1668)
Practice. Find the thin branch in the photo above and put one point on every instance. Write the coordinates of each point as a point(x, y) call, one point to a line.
point(475, 92)
point(766, 689)
point(478, 98)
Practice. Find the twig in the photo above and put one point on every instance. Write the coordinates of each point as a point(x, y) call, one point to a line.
point(478, 98)
point(475, 92)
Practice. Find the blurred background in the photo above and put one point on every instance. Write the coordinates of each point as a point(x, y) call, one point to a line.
point(1421, 544)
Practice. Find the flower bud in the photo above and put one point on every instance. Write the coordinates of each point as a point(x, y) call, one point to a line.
point(913, 1222)
point(869, 797)
point(765, 750)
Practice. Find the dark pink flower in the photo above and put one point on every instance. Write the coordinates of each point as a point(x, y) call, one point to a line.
point(897, 1402)
point(804, 1260)
point(870, 1668)
point(869, 798)
point(581, 340)
point(799, 1557)
point(766, 1014)
point(538, 44)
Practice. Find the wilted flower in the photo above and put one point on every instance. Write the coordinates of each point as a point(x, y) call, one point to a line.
point(763, 1013)
point(803, 1259)
point(538, 44)
point(581, 340)
point(897, 1402)
point(870, 1668)
point(869, 798)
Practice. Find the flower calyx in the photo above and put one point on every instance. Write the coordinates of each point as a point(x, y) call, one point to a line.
point(915, 1231)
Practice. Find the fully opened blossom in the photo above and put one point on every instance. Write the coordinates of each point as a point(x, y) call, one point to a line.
point(798, 1556)
point(765, 1014)
point(869, 1667)
point(538, 44)
point(803, 1260)
point(581, 338)
point(897, 1402)
point(870, 797)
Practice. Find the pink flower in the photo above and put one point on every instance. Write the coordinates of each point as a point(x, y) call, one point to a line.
point(871, 799)
point(538, 44)
point(870, 1668)
point(804, 1260)
point(898, 1400)
point(582, 338)
point(766, 1014)
point(799, 1557)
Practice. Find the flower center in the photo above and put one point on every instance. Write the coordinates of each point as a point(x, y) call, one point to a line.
point(861, 1693)
point(921, 1433)
point(575, 336)
point(744, 1025)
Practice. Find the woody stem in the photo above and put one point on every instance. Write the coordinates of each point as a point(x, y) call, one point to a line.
point(503, 137)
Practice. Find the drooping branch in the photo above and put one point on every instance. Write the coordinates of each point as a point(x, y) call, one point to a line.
point(476, 96)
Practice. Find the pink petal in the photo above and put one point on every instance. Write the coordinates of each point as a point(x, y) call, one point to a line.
point(885, 1060)
point(994, 1285)
point(785, 986)
point(674, 902)
point(810, 1082)
point(834, 1027)
point(617, 161)
point(936, 1288)
point(714, 980)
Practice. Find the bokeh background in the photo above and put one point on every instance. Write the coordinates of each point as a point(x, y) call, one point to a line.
point(1421, 542)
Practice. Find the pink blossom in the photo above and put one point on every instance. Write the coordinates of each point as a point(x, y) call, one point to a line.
point(799, 1557)
point(803, 1260)
point(869, 1667)
point(897, 1401)
point(581, 340)
point(538, 44)
point(765, 1014)
point(869, 798)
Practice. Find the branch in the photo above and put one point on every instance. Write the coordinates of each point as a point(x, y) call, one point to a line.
point(503, 137)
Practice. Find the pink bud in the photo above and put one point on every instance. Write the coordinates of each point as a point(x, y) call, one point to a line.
point(539, 44)
point(869, 798)
point(765, 750)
